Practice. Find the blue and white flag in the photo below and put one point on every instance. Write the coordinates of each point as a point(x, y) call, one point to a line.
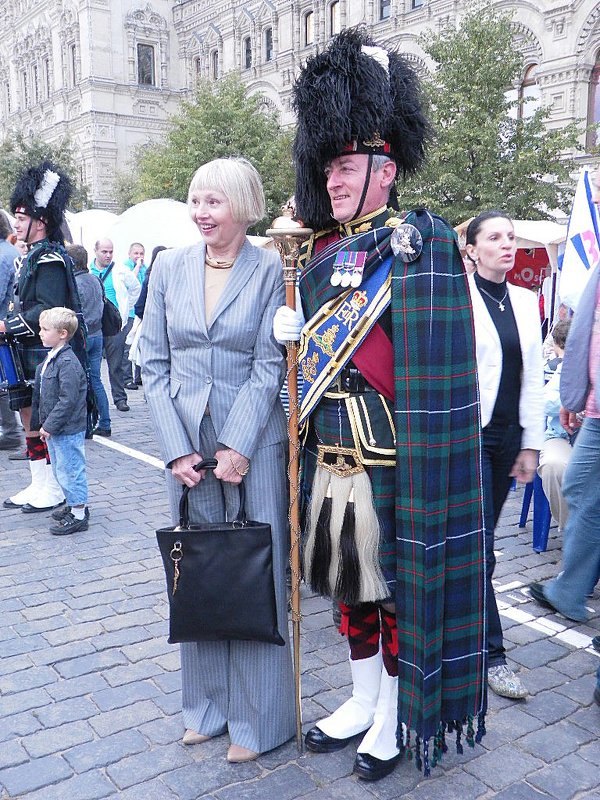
point(582, 247)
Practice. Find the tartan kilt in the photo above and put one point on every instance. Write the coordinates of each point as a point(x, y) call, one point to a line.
point(31, 356)
point(329, 425)
point(20, 396)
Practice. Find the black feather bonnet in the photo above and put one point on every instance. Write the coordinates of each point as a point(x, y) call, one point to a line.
point(346, 101)
point(42, 192)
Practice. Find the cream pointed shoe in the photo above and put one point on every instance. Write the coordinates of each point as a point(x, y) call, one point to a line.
point(191, 737)
point(239, 755)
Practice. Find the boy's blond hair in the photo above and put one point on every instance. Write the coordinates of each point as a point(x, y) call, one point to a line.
point(61, 319)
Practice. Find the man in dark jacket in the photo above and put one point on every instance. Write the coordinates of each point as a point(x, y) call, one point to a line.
point(45, 281)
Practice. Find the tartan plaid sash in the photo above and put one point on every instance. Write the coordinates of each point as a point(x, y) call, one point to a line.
point(440, 579)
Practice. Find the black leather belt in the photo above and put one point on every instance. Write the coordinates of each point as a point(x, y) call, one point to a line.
point(351, 380)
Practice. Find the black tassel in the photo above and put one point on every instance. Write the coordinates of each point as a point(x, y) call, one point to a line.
point(458, 729)
point(348, 583)
point(480, 728)
point(418, 760)
point(321, 557)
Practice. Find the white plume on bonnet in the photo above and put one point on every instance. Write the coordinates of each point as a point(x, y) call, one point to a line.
point(46, 189)
point(379, 54)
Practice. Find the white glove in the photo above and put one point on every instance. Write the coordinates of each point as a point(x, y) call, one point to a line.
point(287, 324)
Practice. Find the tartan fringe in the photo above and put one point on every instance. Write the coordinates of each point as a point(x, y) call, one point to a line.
point(341, 554)
point(420, 750)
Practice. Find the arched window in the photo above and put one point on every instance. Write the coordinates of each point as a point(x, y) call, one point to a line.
point(247, 57)
point(334, 18)
point(309, 32)
point(593, 117)
point(268, 44)
point(214, 64)
point(529, 93)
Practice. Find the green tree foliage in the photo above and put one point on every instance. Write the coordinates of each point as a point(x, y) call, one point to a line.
point(221, 120)
point(18, 152)
point(482, 156)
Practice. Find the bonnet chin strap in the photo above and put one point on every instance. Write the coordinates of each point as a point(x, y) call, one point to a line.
point(361, 202)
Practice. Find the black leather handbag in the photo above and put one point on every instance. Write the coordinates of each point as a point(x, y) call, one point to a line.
point(219, 577)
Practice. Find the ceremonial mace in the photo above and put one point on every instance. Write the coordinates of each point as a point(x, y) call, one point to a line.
point(288, 235)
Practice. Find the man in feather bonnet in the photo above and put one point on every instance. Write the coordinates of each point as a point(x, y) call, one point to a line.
point(392, 521)
point(46, 280)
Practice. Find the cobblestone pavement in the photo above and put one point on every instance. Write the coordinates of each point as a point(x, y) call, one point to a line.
point(89, 686)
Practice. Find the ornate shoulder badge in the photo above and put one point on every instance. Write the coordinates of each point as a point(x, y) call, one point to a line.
point(406, 242)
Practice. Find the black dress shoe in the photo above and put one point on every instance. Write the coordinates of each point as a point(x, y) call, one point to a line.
point(320, 742)
point(132, 386)
point(29, 509)
point(370, 768)
point(536, 590)
point(121, 406)
point(8, 503)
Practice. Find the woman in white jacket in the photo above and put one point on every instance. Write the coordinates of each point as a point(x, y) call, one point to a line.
point(510, 372)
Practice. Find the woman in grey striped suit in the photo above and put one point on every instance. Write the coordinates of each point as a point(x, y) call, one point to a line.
point(212, 375)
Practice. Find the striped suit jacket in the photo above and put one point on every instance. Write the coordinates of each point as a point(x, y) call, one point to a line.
point(233, 364)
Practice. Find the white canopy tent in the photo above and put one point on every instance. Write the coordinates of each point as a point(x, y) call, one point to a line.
point(90, 225)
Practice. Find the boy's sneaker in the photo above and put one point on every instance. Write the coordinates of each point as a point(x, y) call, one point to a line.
point(69, 524)
point(61, 512)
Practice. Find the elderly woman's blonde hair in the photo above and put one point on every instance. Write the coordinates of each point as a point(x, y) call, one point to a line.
point(240, 183)
point(61, 319)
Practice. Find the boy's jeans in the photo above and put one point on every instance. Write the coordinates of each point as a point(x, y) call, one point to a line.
point(67, 454)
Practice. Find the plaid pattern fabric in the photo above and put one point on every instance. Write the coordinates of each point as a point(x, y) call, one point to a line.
point(440, 582)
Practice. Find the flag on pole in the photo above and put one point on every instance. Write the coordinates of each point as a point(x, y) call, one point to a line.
point(582, 247)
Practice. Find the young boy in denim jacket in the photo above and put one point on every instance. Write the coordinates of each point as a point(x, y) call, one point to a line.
point(59, 412)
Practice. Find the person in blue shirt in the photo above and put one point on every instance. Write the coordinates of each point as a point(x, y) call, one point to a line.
point(122, 289)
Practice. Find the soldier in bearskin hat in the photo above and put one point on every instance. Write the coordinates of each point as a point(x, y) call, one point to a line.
point(45, 281)
point(391, 477)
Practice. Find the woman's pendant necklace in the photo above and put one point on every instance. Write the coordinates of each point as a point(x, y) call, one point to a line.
point(501, 305)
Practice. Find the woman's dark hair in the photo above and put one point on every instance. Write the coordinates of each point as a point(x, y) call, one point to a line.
point(158, 249)
point(475, 225)
point(560, 332)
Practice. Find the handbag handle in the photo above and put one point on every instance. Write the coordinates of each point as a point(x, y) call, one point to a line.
point(184, 517)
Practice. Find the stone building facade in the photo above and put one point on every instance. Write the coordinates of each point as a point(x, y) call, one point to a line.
point(106, 72)
point(110, 72)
